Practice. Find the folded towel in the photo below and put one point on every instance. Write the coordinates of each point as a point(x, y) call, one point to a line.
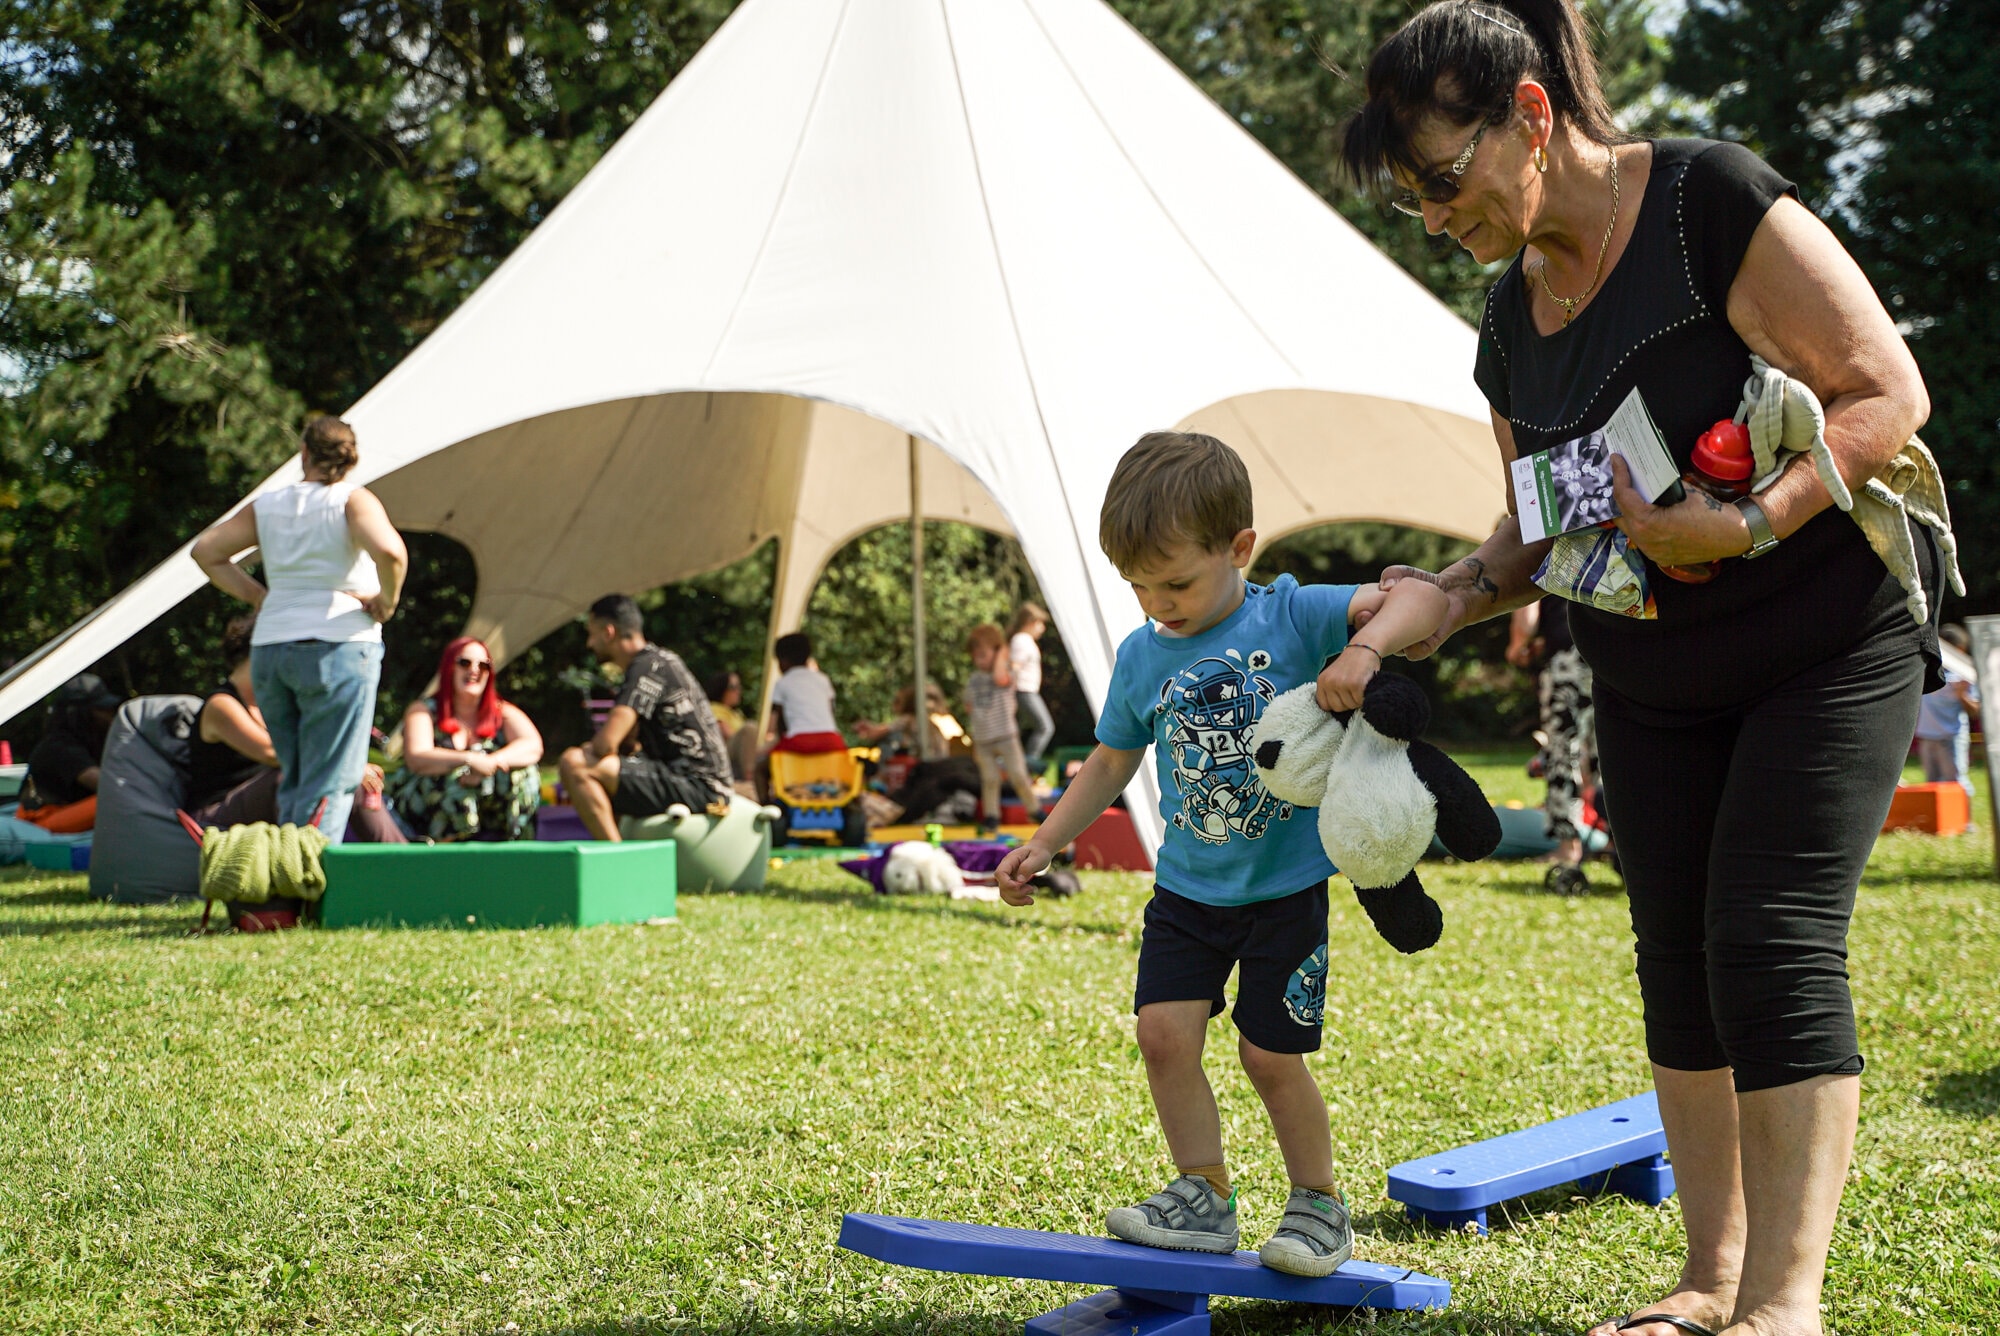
point(250, 864)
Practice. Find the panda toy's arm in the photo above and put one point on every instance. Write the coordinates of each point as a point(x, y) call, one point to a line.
point(1467, 825)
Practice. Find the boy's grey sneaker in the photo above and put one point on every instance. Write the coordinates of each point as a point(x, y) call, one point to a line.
point(1187, 1214)
point(1313, 1239)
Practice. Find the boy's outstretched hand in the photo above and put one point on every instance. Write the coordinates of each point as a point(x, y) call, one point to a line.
point(1016, 873)
point(1342, 681)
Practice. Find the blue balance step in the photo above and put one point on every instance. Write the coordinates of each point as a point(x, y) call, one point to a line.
point(1155, 1292)
point(1619, 1148)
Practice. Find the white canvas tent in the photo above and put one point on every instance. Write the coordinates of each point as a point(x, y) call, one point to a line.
point(1007, 228)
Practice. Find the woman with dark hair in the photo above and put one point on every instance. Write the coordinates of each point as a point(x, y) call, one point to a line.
point(1750, 733)
point(233, 768)
point(335, 568)
point(469, 757)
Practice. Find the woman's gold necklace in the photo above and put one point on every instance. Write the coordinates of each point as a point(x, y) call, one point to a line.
point(1569, 304)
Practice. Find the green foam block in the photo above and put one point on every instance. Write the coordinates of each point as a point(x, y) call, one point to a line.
point(522, 885)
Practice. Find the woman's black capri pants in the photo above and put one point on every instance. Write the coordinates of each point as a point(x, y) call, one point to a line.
point(1743, 837)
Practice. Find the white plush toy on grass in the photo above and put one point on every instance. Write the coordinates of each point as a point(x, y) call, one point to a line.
point(1382, 793)
point(917, 868)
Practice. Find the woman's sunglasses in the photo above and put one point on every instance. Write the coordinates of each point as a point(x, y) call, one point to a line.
point(1441, 188)
point(476, 665)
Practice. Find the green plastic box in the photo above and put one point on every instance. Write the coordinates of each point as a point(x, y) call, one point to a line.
point(520, 885)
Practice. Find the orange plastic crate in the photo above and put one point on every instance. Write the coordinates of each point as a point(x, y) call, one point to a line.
point(1939, 809)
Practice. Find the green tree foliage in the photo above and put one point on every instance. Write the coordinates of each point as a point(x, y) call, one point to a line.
point(1292, 71)
point(216, 215)
point(859, 619)
point(1888, 118)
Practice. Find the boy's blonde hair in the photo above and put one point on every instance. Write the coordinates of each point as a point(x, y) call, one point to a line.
point(988, 635)
point(1173, 487)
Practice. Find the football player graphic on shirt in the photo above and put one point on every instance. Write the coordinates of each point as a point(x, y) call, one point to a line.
point(1211, 707)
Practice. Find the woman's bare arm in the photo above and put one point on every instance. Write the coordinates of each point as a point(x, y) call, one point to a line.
point(215, 552)
point(421, 752)
point(1495, 579)
point(369, 523)
point(1803, 305)
point(524, 740)
point(226, 719)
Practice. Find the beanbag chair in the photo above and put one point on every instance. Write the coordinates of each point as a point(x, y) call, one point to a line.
point(141, 855)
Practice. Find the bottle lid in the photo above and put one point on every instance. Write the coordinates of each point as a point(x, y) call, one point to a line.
point(1723, 451)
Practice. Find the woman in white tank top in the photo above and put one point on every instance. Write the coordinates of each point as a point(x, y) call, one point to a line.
point(334, 566)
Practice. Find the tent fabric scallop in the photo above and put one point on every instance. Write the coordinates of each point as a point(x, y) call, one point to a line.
point(1009, 229)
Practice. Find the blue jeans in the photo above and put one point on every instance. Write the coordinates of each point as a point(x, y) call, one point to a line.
point(1034, 712)
point(318, 699)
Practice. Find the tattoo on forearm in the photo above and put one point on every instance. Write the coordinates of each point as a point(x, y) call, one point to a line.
point(1481, 581)
point(1708, 500)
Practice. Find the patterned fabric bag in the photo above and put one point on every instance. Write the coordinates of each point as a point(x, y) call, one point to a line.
point(1599, 567)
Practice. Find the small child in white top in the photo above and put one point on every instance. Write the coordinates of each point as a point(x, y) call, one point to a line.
point(1024, 657)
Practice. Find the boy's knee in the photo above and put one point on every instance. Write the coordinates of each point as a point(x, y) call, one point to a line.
point(1164, 1040)
point(1262, 1065)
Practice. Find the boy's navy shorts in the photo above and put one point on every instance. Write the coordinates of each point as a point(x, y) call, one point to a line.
point(1189, 948)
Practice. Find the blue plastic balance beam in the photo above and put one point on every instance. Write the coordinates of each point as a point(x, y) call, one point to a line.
point(1618, 1148)
point(1157, 1292)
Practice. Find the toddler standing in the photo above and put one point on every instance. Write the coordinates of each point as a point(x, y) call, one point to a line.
point(1241, 875)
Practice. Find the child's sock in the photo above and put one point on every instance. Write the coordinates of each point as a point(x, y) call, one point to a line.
point(1330, 1190)
point(1216, 1174)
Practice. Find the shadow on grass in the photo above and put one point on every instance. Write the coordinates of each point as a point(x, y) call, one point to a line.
point(934, 906)
point(124, 927)
point(1395, 1226)
point(1530, 880)
point(1969, 1094)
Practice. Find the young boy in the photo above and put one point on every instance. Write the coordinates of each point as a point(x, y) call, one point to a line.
point(803, 699)
point(1241, 876)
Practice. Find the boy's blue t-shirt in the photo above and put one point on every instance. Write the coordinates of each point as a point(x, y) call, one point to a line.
point(1197, 699)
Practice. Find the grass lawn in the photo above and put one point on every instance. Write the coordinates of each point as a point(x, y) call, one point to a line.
point(657, 1129)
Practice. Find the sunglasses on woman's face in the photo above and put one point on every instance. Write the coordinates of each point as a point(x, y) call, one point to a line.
point(476, 665)
point(1441, 188)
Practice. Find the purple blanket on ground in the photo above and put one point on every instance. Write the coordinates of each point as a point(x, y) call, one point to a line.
point(978, 857)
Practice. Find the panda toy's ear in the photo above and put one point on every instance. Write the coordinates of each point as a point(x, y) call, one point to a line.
point(1292, 746)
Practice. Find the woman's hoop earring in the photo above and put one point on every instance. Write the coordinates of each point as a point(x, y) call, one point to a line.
point(1541, 159)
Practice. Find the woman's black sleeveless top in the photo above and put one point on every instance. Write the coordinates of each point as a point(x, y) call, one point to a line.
point(214, 768)
point(1660, 324)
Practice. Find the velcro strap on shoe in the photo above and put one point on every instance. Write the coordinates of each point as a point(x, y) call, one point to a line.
point(1178, 1203)
point(1325, 1230)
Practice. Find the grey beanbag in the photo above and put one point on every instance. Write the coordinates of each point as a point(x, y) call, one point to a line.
point(140, 855)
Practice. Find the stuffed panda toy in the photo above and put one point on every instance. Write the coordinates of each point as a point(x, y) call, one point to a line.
point(1381, 791)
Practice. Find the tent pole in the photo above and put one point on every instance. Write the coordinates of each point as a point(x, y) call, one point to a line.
point(920, 700)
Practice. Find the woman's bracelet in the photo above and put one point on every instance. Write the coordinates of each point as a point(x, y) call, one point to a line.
point(1356, 644)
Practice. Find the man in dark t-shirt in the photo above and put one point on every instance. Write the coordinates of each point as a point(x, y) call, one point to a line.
point(659, 746)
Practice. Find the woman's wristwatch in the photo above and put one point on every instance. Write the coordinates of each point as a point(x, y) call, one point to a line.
point(1762, 540)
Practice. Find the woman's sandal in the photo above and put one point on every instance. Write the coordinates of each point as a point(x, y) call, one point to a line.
point(1686, 1324)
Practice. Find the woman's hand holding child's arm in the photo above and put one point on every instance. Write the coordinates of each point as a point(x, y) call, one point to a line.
point(1395, 618)
point(1103, 777)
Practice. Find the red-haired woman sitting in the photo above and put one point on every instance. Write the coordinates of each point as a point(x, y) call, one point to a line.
point(468, 756)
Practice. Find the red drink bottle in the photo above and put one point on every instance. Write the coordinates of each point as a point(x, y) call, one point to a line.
point(1722, 467)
